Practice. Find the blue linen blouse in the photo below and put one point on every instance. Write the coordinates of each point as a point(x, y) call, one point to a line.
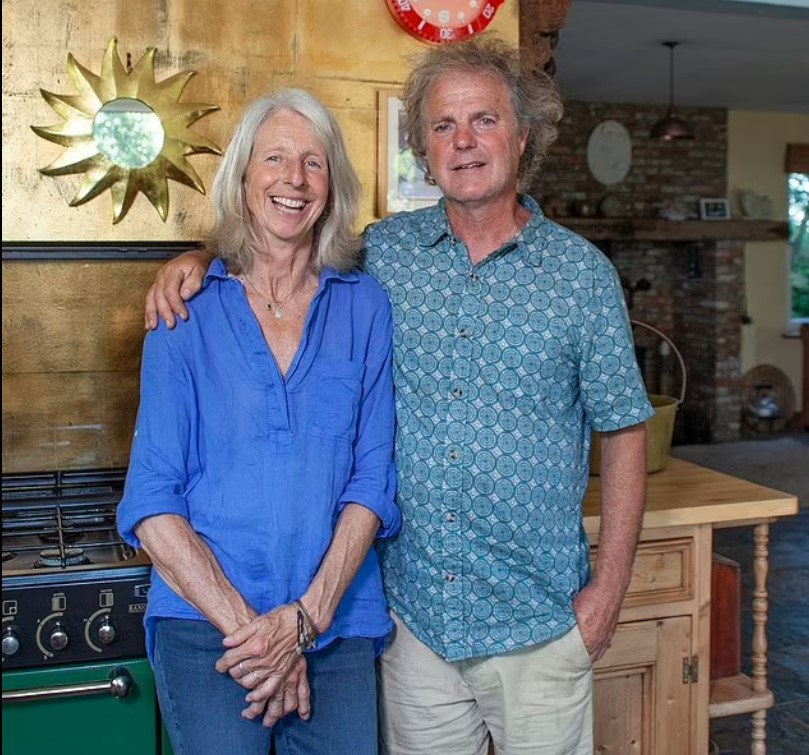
point(262, 465)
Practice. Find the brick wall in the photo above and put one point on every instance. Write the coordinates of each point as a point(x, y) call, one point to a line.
point(662, 172)
point(696, 289)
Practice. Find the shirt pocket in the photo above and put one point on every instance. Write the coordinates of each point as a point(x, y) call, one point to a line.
point(333, 398)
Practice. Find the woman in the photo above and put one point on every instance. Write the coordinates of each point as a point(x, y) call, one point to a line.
point(262, 462)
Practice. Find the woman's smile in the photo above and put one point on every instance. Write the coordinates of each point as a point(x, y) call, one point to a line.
point(287, 179)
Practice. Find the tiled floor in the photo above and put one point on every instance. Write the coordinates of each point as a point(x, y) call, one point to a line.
point(787, 634)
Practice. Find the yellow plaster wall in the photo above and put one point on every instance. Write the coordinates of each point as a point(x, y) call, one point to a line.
point(72, 331)
point(341, 52)
point(756, 147)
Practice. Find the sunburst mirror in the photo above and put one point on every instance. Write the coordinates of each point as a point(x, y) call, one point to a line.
point(126, 132)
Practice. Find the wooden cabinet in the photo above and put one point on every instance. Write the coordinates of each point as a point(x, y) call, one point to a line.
point(641, 701)
point(653, 693)
point(648, 686)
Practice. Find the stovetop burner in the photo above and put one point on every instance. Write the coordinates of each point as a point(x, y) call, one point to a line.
point(61, 558)
point(73, 591)
point(63, 521)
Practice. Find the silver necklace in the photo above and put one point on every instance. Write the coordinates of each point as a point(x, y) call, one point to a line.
point(273, 305)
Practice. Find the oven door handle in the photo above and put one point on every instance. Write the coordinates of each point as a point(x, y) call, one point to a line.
point(117, 685)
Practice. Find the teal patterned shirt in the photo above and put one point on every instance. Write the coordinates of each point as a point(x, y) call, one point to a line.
point(501, 370)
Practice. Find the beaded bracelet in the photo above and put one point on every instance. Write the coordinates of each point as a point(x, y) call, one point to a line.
point(307, 632)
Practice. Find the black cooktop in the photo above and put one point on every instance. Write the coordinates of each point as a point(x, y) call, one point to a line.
point(63, 521)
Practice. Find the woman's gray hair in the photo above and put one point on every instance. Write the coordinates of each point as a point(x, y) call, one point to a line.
point(534, 96)
point(233, 239)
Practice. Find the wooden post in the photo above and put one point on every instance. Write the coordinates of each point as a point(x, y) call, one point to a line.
point(761, 539)
point(540, 22)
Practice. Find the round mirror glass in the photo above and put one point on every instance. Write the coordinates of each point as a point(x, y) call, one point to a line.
point(128, 132)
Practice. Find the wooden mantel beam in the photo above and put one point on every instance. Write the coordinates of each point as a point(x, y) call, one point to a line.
point(657, 229)
point(540, 22)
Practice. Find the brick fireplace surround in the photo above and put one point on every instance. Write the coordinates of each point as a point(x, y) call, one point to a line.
point(697, 287)
point(696, 299)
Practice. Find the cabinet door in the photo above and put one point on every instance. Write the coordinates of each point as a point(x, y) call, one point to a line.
point(642, 705)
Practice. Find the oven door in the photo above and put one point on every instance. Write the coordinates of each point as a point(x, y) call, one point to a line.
point(86, 709)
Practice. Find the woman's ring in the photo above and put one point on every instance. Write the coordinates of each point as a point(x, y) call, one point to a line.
point(241, 668)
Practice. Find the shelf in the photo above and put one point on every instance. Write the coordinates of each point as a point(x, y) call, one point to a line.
point(96, 250)
point(734, 695)
point(657, 229)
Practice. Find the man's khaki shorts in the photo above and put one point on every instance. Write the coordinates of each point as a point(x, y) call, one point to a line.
point(536, 700)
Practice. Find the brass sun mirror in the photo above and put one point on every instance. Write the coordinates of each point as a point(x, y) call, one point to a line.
point(126, 132)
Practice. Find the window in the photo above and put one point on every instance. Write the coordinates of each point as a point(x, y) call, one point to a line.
point(798, 197)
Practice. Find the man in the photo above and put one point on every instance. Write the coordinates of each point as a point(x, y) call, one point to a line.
point(511, 341)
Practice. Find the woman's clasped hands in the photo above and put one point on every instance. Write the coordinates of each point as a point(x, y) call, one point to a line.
point(263, 658)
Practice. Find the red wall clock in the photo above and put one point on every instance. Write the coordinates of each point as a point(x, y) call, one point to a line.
point(443, 20)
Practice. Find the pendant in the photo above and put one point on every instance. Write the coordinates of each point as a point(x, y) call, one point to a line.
point(278, 313)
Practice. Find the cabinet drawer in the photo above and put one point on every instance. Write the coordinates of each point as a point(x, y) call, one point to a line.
point(663, 572)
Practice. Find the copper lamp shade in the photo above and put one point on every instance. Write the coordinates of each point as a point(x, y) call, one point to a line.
point(671, 126)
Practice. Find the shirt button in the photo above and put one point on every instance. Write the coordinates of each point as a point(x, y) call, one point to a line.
point(463, 332)
point(451, 518)
point(453, 454)
point(457, 392)
point(449, 577)
point(474, 277)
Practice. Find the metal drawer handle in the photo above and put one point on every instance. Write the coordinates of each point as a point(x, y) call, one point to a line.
point(118, 685)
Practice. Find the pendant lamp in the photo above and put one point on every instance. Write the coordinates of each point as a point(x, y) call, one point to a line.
point(671, 127)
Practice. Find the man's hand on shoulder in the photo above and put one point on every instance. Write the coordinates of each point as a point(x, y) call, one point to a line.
point(176, 282)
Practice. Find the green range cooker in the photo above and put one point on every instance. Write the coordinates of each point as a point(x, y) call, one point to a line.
point(73, 709)
point(75, 677)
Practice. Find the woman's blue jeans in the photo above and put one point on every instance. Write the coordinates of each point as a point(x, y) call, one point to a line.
point(201, 707)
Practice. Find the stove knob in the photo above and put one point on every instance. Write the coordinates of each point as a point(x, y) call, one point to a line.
point(106, 632)
point(11, 642)
point(58, 638)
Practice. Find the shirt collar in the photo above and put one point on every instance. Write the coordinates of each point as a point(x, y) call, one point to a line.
point(533, 235)
point(217, 270)
point(434, 226)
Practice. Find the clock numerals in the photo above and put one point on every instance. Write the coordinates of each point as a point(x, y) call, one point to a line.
point(443, 20)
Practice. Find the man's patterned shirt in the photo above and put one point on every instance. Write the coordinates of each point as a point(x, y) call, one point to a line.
point(501, 370)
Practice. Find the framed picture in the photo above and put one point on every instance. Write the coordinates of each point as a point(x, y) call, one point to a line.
point(400, 180)
point(714, 208)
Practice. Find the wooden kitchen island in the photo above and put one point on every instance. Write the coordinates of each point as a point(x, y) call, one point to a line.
point(653, 692)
